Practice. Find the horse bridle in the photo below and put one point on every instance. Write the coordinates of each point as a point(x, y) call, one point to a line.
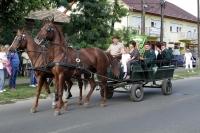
point(49, 29)
point(20, 40)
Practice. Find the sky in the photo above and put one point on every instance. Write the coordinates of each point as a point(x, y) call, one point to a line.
point(188, 5)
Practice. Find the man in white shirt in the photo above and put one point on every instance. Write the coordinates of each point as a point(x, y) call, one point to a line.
point(115, 48)
point(188, 60)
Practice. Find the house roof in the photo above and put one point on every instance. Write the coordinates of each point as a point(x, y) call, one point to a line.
point(153, 7)
point(58, 16)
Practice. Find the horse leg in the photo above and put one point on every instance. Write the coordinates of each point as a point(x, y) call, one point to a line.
point(60, 82)
point(39, 87)
point(46, 86)
point(104, 85)
point(92, 87)
point(66, 91)
point(80, 84)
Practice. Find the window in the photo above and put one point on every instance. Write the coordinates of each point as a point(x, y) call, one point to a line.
point(191, 28)
point(136, 21)
point(175, 27)
point(155, 23)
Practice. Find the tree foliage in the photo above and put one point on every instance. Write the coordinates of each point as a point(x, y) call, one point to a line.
point(91, 23)
point(13, 12)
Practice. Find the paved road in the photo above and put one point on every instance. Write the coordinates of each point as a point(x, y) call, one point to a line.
point(177, 113)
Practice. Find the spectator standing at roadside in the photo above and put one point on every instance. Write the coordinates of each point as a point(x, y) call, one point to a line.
point(14, 63)
point(188, 60)
point(2, 75)
point(25, 60)
point(33, 80)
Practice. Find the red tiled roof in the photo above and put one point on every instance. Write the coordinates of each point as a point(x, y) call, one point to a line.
point(153, 7)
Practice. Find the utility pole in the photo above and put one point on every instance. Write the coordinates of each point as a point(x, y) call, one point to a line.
point(143, 6)
point(198, 22)
point(162, 17)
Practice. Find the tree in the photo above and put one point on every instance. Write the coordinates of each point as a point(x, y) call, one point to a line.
point(118, 11)
point(92, 23)
point(89, 24)
point(13, 12)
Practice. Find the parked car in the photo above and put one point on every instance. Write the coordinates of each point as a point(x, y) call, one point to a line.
point(181, 62)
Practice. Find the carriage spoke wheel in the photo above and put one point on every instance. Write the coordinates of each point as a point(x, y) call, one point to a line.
point(166, 87)
point(136, 92)
point(109, 92)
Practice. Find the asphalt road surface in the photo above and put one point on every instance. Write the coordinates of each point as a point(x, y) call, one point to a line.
point(177, 113)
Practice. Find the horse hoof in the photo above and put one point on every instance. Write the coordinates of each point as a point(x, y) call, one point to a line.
point(79, 103)
point(56, 113)
point(65, 107)
point(53, 106)
point(32, 110)
point(86, 104)
point(103, 105)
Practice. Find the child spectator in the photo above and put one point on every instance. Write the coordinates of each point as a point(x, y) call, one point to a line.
point(5, 59)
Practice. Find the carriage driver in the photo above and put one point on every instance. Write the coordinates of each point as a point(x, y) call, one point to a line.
point(115, 48)
point(149, 56)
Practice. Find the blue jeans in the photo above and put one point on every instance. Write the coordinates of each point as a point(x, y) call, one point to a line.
point(129, 63)
point(2, 79)
point(33, 79)
point(13, 77)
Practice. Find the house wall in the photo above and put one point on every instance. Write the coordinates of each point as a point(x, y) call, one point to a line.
point(169, 36)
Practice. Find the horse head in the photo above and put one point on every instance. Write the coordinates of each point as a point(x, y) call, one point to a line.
point(19, 41)
point(46, 32)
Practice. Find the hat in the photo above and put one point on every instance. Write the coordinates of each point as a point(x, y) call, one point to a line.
point(117, 37)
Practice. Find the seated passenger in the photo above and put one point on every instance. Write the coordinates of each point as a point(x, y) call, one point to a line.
point(134, 52)
point(125, 57)
point(166, 54)
point(115, 48)
point(148, 57)
point(158, 53)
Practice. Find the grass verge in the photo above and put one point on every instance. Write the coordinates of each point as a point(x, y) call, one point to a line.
point(185, 74)
point(23, 91)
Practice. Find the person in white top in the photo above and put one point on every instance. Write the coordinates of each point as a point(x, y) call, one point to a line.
point(2, 76)
point(125, 58)
point(188, 60)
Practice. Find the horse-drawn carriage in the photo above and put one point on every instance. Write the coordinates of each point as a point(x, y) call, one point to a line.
point(63, 63)
point(139, 79)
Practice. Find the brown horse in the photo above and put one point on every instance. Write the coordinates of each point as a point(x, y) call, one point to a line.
point(92, 59)
point(39, 57)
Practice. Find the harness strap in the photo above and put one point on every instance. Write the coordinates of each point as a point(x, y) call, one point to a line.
point(77, 59)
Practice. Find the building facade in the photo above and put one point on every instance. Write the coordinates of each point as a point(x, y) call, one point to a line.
point(180, 27)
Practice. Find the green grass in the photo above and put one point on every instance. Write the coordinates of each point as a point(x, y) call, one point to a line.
point(185, 74)
point(23, 91)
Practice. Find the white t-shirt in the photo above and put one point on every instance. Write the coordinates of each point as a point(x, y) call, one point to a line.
point(25, 55)
point(188, 56)
point(3, 56)
point(115, 48)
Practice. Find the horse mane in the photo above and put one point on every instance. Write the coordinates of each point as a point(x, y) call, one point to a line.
point(61, 36)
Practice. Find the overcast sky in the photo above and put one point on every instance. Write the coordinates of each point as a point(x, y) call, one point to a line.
point(188, 5)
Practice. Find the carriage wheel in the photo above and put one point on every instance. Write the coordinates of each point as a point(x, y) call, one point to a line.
point(137, 92)
point(166, 87)
point(109, 92)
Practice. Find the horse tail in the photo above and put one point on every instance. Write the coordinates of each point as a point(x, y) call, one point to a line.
point(114, 64)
